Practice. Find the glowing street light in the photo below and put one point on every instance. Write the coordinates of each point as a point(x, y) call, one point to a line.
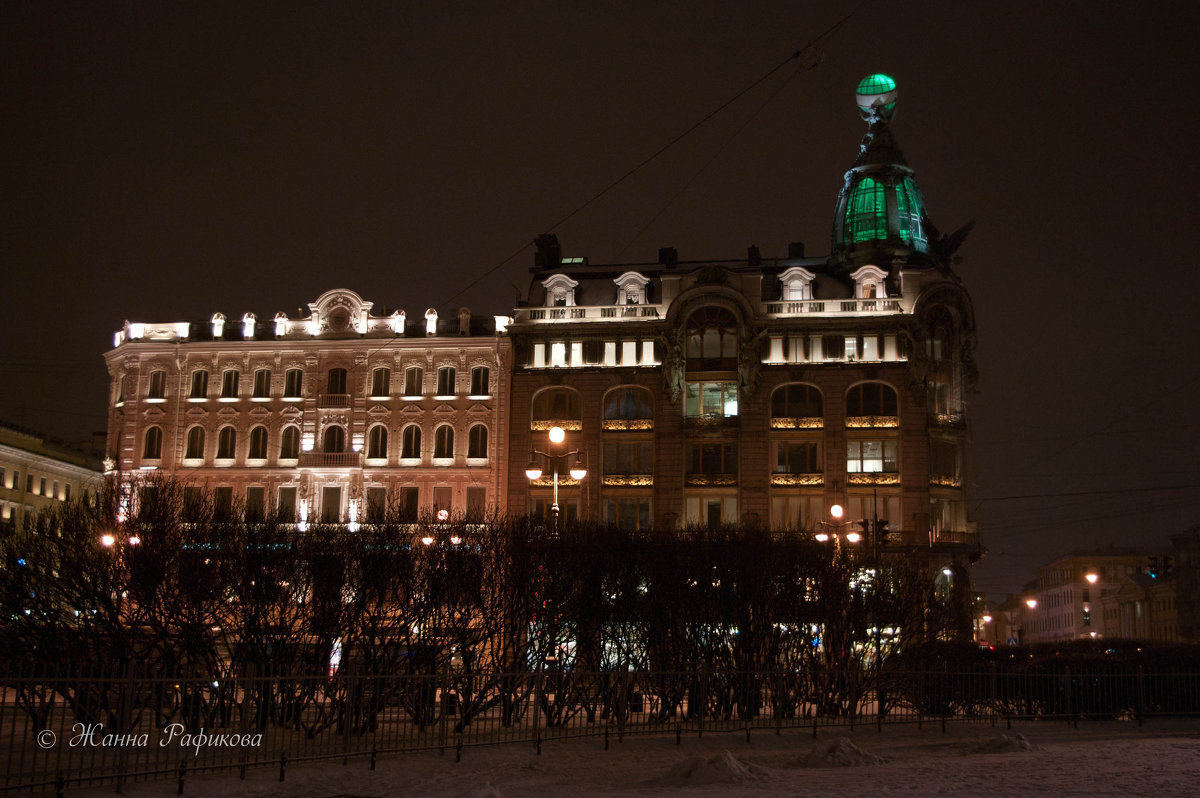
point(533, 470)
point(1092, 578)
point(107, 540)
point(1031, 603)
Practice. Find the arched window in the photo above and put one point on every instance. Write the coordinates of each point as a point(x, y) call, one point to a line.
point(289, 446)
point(227, 443)
point(443, 442)
point(334, 441)
point(377, 442)
point(335, 381)
point(866, 212)
point(158, 385)
point(477, 441)
point(258, 443)
point(871, 399)
point(629, 403)
point(195, 443)
point(152, 447)
point(556, 404)
point(712, 340)
point(410, 442)
point(796, 401)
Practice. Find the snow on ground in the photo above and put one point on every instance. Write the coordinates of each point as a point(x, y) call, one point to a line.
point(1036, 758)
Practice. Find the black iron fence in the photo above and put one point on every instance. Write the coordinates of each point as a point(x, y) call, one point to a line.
point(64, 728)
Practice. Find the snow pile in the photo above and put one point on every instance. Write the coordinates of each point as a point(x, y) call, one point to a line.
point(1002, 744)
point(839, 752)
point(723, 769)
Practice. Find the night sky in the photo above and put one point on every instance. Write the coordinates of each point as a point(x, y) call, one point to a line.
point(164, 161)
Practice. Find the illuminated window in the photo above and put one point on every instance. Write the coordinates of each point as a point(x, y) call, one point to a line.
point(158, 385)
point(866, 212)
point(477, 441)
point(195, 443)
point(410, 442)
point(289, 443)
point(229, 384)
point(334, 441)
point(443, 442)
point(868, 457)
point(445, 381)
point(711, 399)
point(227, 443)
point(335, 381)
point(381, 382)
point(710, 511)
point(909, 209)
point(414, 378)
point(871, 399)
point(293, 380)
point(152, 446)
point(480, 381)
point(262, 383)
point(258, 443)
point(199, 384)
point(797, 401)
point(377, 442)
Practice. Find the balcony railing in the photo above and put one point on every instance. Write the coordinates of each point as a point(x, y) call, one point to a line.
point(330, 460)
point(798, 307)
point(333, 400)
point(588, 313)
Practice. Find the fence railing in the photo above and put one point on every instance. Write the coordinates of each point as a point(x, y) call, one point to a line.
point(79, 727)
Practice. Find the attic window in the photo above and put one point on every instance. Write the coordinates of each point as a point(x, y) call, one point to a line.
point(796, 284)
point(631, 289)
point(560, 291)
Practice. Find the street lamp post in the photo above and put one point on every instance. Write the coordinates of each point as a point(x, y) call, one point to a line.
point(578, 469)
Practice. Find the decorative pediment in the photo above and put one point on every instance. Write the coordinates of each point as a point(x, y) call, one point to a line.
point(340, 310)
point(560, 290)
point(631, 288)
point(378, 411)
point(869, 282)
point(153, 412)
point(291, 412)
point(443, 410)
point(259, 412)
point(195, 412)
point(228, 412)
point(796, 284)
point(478, 409)
point(410, 410)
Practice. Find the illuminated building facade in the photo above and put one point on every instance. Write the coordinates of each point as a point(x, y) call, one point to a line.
point(332, 417)
point(36, 472)
point(761, 391)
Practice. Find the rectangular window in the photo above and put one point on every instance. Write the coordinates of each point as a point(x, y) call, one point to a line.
point(16, 479)
point(229, 383)
point(480, 381)
point(943, 459)
point(414, 379)
point(199, 384)
point(376, 504)
point(28, 482)
point(628, 513)
point(256, 503)
point(381, 382)
point(800, 512)
point(629, 457)
point(710, 511)
point(293, 383)
point(711, 399)
point(42, 486)
point(158, 385)
point(797, 457)
point(223, 503)
point(67, 492)
point(408, 504)
point(445, 381)
point(54, 490)
point(476, 501)
point(287, 505)
point(866, 457)
point(712, 458)
point(262, 383)
point(193, 503)
point(442, 499)
point(331, 504)
point(835, 347)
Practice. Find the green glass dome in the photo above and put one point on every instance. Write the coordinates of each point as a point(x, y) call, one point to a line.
point(878, 92)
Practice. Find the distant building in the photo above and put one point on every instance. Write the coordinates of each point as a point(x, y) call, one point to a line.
point(1186, 553)
point(36, 471)
point(1143, 607)
point(1064, 602)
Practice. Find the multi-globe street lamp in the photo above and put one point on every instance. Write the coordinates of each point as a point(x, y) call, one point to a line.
point(578, 469)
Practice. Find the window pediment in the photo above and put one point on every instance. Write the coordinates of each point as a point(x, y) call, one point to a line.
point(560, 290)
